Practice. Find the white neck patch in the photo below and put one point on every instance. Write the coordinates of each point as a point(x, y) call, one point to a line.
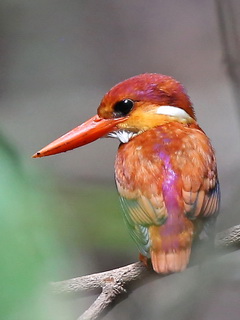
point(174, 112)
point(122, 135)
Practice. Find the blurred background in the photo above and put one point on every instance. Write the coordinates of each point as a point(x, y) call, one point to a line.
point(60, 216)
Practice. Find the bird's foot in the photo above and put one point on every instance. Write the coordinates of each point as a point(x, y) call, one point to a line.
point(146, 261)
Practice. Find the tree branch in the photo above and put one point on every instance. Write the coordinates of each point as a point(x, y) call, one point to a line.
point(116, 278)
point(114, 282)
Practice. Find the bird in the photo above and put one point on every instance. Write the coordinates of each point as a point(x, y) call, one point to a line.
point(165, 168)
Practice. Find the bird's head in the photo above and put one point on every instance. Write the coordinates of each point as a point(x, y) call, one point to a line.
point(129, 108)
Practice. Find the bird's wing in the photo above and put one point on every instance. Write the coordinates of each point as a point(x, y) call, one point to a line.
point(139, 214)
point(203, 202)
point(200, 185)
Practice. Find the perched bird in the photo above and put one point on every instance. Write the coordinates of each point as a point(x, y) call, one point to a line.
point(165, 168)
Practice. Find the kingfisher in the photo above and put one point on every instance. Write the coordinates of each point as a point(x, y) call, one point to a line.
point(165, 168)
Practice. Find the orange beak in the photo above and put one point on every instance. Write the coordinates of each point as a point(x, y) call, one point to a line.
point(87, 132)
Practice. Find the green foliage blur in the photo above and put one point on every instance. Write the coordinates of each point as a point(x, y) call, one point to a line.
point(50, 232)
point(29, 246)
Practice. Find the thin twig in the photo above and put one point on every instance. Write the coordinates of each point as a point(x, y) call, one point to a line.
point(230, 42)
point(229, 238)
point(106, 297)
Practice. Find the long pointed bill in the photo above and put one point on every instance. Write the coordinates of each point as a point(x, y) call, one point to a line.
point(87, 132)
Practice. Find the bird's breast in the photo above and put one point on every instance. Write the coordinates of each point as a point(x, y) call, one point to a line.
point(152, 164)
point(146, 165)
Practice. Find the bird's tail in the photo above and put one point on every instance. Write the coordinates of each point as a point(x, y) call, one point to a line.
point(170, 248)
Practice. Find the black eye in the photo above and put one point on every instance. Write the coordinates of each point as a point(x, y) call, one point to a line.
point(123, 107)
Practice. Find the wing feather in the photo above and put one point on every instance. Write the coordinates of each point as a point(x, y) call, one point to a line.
point(201, 193)
point(139, 214)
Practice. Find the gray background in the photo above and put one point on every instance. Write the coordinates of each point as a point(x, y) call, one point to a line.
point(59, 57)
